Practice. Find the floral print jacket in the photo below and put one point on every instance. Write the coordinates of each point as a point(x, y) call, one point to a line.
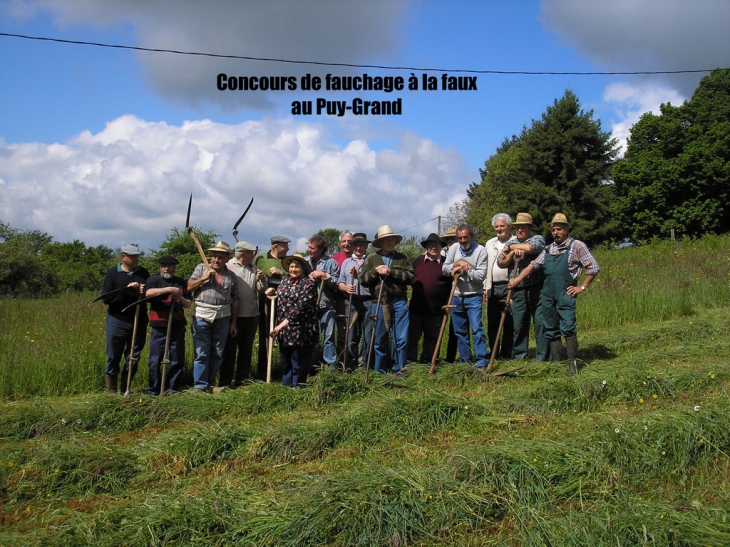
point(296, 301)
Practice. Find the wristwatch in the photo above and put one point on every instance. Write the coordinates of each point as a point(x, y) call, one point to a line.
point(583, 287)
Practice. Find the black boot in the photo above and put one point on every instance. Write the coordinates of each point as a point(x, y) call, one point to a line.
point(111, 384)
point(571, 343)
point(556, 350)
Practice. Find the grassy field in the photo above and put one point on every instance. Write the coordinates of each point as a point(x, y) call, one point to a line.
point(632, 451)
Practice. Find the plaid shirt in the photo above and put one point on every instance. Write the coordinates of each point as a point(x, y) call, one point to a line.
point(213, 294)
point(580, 257)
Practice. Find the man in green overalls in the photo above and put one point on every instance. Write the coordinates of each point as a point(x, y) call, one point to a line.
point(563, 263)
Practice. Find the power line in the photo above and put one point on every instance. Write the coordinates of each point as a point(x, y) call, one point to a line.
point(351, 65)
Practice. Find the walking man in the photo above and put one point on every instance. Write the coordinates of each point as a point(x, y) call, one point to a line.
point(251, 285)
point(469, 259)
point(563, 262)
point(216, 300)
point(517, 253)
point(325, 272)
point(119, 326)
point(170, 288)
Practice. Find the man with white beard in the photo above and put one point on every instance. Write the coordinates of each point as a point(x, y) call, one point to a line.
point(170, 288)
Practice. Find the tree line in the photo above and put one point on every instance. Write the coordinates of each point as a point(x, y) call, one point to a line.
point(675, 173)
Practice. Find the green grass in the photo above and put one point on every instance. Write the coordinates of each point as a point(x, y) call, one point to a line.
point(632, 451)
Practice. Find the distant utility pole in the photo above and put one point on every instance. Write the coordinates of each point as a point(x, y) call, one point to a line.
point(439, 226)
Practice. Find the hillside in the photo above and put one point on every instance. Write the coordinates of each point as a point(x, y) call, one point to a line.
point(632, 451)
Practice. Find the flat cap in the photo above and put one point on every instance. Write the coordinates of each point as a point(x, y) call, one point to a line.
point(280, 239)
point(130, 250)
point(244, 246)
point(168, 259)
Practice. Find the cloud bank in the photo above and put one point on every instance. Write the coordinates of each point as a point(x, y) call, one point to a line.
point(131, 181)
point(322, 30)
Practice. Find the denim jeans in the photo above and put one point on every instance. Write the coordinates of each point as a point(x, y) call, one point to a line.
point(399, 337)
point(467, 314)
point(327, 321)
point(118, 342)
point(209, 341)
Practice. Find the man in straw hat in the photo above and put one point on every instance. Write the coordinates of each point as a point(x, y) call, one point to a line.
point(252, 283)
point(395, 271)
point(430, 293)
point(215, 292)
point(469, 260)
point(518, 252)
point(128, 273)
point(563, 263)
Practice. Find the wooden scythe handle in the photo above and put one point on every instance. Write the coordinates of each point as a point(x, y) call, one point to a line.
point(444, 321)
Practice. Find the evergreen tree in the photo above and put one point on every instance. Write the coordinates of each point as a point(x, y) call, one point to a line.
point(561, 163)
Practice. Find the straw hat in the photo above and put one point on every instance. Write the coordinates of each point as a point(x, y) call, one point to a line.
point(385, 231)
point(297, 258)
point(523, 218)
point(220, 247)
point(559, 218)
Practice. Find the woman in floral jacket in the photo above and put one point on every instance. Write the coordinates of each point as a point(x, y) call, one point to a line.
point(296, 319)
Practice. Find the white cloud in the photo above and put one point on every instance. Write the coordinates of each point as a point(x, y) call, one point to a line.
point(321, 30)
point(131, 181)
point(630, 102)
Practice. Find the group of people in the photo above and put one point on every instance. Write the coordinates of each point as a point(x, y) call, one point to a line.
point(355, 302)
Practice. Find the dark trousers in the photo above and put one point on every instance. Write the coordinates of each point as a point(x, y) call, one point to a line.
point(526, 307)
point(239, 369)
point(295, 364)
point(451, 345)
point(495, 307)
point(158, 335)
point(360, 333)
point(119, 342)
point(426, 325)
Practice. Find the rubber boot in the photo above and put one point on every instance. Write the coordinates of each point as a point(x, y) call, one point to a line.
point(556, 350)
point(571, 343)
point(111, 384)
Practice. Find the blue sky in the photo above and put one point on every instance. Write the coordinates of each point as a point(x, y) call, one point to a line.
point(105, 145)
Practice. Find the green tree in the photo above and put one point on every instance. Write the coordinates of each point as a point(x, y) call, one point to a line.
point(78, 267)
point(180, 245)
point(332, 237)
point(561, 163)
point(676, 171)
point(22, 268)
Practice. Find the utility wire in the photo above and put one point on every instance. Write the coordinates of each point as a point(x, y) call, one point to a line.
point(351, 65)
point(417, 225)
